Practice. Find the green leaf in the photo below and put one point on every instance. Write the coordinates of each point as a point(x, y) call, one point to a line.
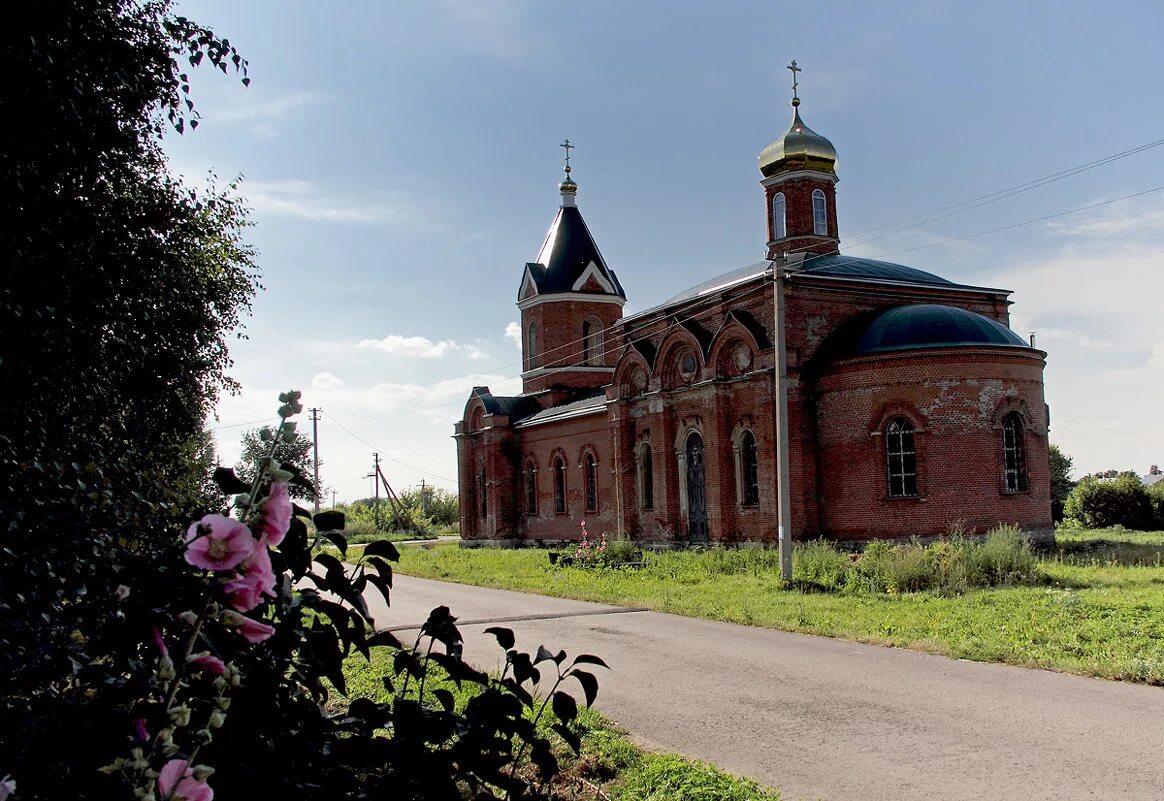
point(504, 636)
point(445, 698)
point(544, 655)
point(330, 520)
point(571, 737)
point(590, 659)
point(565, 707)
point(382, 548)
point(228, 482)
point(589, 684)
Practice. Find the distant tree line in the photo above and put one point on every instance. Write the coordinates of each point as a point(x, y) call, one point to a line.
point(1105, 498)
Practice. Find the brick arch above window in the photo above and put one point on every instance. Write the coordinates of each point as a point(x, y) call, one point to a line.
point(1012, 405)
point(588, 448)
point(676, 346)
point(892, 410)
point(477, 417)
point(632, 374)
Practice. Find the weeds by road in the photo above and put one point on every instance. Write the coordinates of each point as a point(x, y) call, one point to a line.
point(1099, 610)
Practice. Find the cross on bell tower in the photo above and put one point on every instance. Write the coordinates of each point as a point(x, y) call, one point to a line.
point(795, 69)
point(568, 188)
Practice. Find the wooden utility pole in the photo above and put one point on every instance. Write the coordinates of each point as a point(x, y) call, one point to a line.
point(780, 413)
point(315, 458)
point(376, 483)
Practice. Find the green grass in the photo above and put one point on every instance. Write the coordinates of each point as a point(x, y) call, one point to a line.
point(1100, 610)
point(609, 761)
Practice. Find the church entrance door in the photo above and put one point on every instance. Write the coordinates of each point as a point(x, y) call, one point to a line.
point(696, 490)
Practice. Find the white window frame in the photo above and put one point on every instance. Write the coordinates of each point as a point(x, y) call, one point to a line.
point(820, 213)
point(779, 216)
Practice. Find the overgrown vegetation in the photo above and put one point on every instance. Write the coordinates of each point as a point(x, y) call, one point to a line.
point(423, 514)
point(1116, 500)
point(608, 765)
point(1096, 613)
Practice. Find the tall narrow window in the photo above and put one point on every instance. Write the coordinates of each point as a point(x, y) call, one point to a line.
point(559, 485)
point(646, 477)
point(820, 214)
point(591, 468)
point(1014, 455)
point(901, 458)
point(779, 231)
point(482, 498)
point(592, 341)
point(531, 345)
point(531, 489)
point(749, 470)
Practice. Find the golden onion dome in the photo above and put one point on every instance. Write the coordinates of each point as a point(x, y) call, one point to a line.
point(799, 148)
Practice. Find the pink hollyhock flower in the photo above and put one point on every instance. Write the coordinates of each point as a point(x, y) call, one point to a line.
point(140, 730)
point(176, 782)
point(209, 663)
point(251, 630)
point(160, 643)
point(246, 589)
point(218, 543)
point(277, 513)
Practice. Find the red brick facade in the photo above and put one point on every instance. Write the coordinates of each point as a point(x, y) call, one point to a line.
point(694, 381)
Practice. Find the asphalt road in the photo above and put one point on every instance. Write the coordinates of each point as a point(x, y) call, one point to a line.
point(827, 719)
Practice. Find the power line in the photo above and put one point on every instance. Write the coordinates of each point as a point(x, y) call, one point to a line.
point(331, 417)
point(250, 423)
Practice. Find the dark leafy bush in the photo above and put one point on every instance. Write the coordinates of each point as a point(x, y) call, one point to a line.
point(1122, 500)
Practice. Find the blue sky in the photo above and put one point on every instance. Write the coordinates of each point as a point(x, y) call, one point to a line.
point(401, 160)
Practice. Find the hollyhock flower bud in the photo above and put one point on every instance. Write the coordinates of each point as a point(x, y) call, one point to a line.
point(251, 630)
point(282, 475)
point(140, 731)
point(202, 772)
point(218, 543)
point(188, 617)
point(7, 788)
point(121, 593)
point(180, 715)
point(217, 718)
point(160, 643)
point(276, 513)
point(166, 668)
point(266, 434)
point(223, 704)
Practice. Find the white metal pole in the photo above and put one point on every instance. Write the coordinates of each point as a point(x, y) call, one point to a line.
point(780, 412)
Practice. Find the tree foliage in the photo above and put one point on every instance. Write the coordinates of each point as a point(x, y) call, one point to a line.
point(1061, 483)
point(299, 451)
point(1121, 500)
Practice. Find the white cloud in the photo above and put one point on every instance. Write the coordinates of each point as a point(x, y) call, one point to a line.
point(326, 381)
point(1140, 216)
point(262, 112)
point(421, 347)
point(303, 200)
point(513, 331)
point(1096, 311)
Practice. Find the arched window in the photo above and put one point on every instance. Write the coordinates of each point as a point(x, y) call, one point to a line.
point(820, 213)
point(749, 470)
point(901, 458)
point(779, 230)
point(531, 489)
point(646, 476)
point(559, 485)
point(592, 341)
point(531, 346)
point(590, 466)
point(1014, 456)
point(482, 498)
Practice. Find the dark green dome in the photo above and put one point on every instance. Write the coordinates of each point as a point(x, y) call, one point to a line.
point(930, 325)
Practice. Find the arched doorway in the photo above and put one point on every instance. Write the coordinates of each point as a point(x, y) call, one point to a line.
point(696, 489)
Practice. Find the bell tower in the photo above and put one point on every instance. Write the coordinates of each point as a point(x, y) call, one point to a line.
point(799, 180)
point(569, 300)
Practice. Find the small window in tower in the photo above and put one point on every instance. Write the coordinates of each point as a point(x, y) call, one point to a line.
point(820, 214)
point(531, 345)
point(646, 477)
point(559, 485)
point(531, 489)
point(1014, 456)
point(901, 458)
point(779, 231)
point(591, 467)
point(592, 342)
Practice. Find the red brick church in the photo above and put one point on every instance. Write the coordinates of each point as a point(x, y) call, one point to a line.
point(912, 406)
